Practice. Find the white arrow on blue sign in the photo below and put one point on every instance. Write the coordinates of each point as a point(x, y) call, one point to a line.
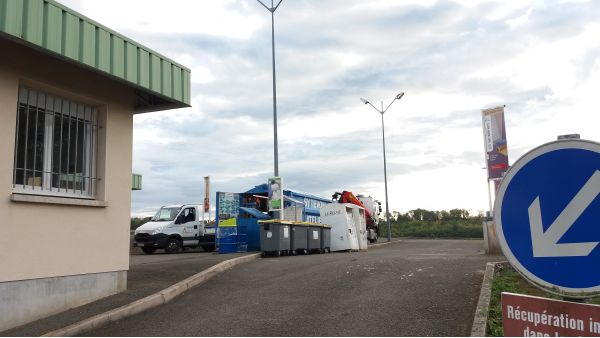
point(547, 217)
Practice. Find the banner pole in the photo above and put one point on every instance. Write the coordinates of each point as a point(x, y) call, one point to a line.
point(490, 198)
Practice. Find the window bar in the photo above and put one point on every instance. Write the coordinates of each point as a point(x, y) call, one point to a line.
point(26, 138)
point(89, 161)
point(96, 145)
point(17, 141)
point(84, 149)
point(62, 121)
point(91, 152)
point(69, 105)
point(77, 111)
point(51, 137)
point(37, 112)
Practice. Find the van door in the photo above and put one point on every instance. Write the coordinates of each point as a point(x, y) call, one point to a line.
point(190, 227)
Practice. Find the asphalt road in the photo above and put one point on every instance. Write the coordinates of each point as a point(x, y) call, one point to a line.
point(147, 274)
point(412, 288)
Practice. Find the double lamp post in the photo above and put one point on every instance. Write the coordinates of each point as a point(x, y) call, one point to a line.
point(387, 206)
point(272, 10)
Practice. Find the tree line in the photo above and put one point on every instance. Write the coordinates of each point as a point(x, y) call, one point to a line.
point(454, 223)
point(435, 215)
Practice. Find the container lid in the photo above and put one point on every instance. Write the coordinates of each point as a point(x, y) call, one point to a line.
point(305, 224)
point(256, 213)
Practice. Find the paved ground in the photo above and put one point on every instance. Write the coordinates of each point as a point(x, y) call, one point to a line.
point(147, 274)
point(412, 288)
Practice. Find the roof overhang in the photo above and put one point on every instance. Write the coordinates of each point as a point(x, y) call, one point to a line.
point(159, 83)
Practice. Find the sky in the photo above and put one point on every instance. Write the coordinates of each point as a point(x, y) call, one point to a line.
point(541, 59)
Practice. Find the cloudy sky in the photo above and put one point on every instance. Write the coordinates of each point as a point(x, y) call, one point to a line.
point(452, 58)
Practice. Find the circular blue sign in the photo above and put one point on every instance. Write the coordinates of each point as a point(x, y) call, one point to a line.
point(547, 216)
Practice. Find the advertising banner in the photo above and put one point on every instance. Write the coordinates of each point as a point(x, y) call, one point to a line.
point(228, 207)
point(494, 135)
point(206, 194)
point(275, 194)
point(529, 316)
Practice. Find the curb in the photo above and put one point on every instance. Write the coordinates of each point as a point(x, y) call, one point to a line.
point(384, 243)
point(479, 327)
point(149, 302)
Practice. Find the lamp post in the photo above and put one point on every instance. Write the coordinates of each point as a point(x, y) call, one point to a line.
point(387, 206)
point(272, 9)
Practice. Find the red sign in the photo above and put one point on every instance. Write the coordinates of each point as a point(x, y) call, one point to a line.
point(528, 316)
point(207, 194)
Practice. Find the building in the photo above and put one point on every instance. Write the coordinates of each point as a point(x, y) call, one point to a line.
point(69, 88)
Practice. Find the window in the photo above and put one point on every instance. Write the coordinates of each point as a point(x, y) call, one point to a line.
point(166, 214)
point(56, 146)
point(189, 215)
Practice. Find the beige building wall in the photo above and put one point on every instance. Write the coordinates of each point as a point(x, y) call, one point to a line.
point(41, 240)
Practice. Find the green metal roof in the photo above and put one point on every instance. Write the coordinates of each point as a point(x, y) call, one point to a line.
point(58, 30)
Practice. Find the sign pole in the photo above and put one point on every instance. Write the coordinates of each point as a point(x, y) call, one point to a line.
point(491, 213)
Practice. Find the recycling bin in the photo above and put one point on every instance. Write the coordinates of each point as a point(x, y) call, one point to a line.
point(314, 237)
point(299, 240)
point(325, 238)
point(227, 239)
point(275, 237)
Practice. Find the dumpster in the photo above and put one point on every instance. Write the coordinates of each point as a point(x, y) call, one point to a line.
point(361, 227)
point(241, 239)
point(299, 239)
point(275, 237)
point(343, 228)
point(227, 239)
point(249, 217)
point(314, 237)
point(325, 238)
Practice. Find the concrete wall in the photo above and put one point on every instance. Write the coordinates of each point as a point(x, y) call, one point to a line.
point(490, 239)
point(40, 240)
point(25, 301)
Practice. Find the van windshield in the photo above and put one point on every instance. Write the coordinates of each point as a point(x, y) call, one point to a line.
point(165, 214)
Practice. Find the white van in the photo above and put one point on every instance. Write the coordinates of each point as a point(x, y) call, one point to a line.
point(173, 228)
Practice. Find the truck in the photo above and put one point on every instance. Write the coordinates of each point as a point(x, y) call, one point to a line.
point(372, 209)
point(173, 228)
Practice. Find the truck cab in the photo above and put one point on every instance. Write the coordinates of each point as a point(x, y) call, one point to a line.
point(173, 228)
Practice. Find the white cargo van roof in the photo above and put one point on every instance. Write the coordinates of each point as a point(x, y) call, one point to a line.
point(181, 205)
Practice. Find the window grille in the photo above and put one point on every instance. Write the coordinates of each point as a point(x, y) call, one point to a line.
point(56, 146)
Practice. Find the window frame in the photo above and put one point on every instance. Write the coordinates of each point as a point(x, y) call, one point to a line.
point(85, 117)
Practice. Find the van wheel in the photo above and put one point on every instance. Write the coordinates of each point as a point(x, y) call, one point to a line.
point(173, 246)
point(208, 247)
point(148, 250)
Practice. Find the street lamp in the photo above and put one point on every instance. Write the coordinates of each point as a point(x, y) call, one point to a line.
point(387, 206)
point(272, 9)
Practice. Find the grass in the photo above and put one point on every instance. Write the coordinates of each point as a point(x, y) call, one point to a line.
point(508, 280)
point(435, 229)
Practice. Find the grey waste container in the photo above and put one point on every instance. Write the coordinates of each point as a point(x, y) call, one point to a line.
point(274, 237)
point(326, 238)
point(299, 240)
point(314, 237)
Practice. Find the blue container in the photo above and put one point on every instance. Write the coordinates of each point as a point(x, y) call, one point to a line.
point(252, 231)
point(227, 239)
point(225, 248)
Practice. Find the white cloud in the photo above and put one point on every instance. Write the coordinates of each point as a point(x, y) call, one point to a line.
point(452, 58)
point(173, 16)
